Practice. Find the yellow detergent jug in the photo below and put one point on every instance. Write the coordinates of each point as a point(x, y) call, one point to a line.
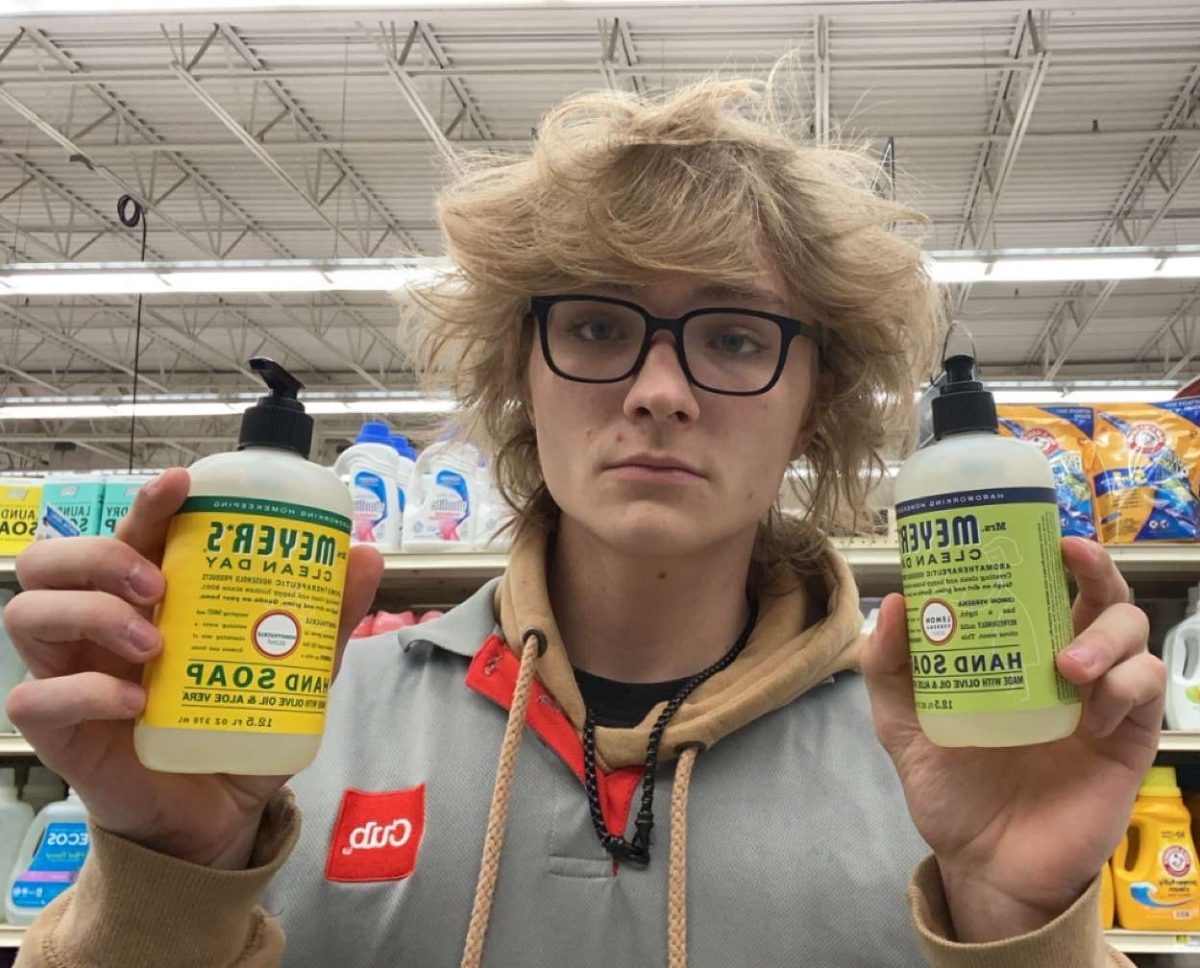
point(1154, 868)
point(1107, 899)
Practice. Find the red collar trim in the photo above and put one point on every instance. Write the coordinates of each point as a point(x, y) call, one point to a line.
point(493, 673)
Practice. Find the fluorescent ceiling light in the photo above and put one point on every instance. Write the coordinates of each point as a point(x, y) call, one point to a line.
point(379, 279)
point(957, 270)
point(1063, 270)
point(247, 280)
point(82, 283)
point(51, 8)
point(93, 408)
point(1181, 267)
point(1028, 396)
point(1101, 395)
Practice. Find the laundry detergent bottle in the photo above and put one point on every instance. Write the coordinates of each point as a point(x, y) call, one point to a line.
point(372, 468)
point(51, 855)
point(255, 563)
point(1154, 869)
point(1181, 655)
point(985, 587)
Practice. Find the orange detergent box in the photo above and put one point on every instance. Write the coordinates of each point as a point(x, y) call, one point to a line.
point(1146, 471)
point(19, 503)
point(1064, 435)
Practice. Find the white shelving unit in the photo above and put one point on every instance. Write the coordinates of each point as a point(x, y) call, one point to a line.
point(1154, 942)
point(11, 936)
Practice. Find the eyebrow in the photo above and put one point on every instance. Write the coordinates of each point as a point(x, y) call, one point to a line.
point(715, 291)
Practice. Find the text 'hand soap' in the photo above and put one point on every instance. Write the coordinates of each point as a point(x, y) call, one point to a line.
point(984, 582)
point(255, 563)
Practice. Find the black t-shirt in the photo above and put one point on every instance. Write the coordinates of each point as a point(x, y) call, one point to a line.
point(623, 704)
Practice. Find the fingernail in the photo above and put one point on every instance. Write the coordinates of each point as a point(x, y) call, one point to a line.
point(1084, 655)
point(143, 582)
point(143, 635)
point(133, 696)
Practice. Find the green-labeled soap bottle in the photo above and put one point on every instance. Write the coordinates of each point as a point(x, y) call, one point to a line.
point(984, 582)
point(255, 563)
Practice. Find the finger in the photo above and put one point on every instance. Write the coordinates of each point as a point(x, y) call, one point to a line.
point(91, 563)
point(1119, 633)
point(886, 667)
point(1133, 684)
point(39, 707)
point(43, 624)
point(144, 528)
point(364, 569)
point(1099, 581)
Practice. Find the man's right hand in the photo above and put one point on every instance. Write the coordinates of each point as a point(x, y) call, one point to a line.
point(83, 626)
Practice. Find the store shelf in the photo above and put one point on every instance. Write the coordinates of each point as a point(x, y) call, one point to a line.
point(11, 936)
point(1154, 942)
point(1180, 741)
point(14, 744)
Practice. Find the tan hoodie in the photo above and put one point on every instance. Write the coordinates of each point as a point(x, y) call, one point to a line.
point(132, 907)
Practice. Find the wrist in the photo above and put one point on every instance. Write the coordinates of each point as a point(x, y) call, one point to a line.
point(981, 911)
point(232, 854)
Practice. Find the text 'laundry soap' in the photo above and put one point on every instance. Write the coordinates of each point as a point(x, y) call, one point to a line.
point(49, 861)
point(1154, 869)
point(20, 500)
point(71, 506)
point(255, 563)
point(1181, 656)
point(984, 582)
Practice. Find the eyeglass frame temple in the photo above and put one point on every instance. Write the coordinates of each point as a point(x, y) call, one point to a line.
point(790, 328)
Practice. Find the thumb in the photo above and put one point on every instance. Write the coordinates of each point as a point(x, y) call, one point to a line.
point(887, 668)
point(364, 569)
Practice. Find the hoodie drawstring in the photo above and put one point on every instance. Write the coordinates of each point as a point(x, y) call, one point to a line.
point(677, 878)
point(534, 645)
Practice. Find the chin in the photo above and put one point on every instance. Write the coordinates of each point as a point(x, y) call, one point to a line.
point(651, 529)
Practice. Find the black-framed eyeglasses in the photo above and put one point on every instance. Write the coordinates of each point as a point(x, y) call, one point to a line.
point(598, 339)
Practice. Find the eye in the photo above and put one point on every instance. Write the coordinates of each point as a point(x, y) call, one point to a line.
point(736, 343)
point(598, 329)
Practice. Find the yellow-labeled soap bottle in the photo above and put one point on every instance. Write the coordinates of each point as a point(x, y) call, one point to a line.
point(255, 563)
point(984, 583)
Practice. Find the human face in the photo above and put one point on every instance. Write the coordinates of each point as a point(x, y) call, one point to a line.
point(653, 466)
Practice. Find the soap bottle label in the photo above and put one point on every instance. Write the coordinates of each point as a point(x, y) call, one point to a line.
point(55, 865)
point(986, 597)
point(250, 617)
point(369, 493)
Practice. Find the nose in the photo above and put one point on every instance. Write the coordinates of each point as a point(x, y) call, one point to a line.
point(660, 389)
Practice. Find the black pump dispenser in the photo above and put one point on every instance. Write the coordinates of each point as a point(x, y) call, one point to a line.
point(278, 419)
point(963, 406)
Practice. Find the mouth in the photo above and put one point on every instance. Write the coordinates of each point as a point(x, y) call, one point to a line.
point(652, 467)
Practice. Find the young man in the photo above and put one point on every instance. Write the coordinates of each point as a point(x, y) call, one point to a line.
point(645, 744)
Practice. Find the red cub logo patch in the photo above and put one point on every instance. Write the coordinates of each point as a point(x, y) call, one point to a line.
point(377, 835)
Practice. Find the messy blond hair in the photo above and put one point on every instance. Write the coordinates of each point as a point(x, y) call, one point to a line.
point(705, 180)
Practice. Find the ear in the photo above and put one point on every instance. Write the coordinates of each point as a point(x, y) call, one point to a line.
point(808, 428)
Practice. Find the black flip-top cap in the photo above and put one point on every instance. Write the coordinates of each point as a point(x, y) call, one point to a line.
point(278, 419)
point(963, 404)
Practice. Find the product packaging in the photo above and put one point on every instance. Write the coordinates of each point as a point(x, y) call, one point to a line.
point(12, 666)
point(1181, 656)
point(443, 496)
point(255, 563)
point(119, 494)
point(50, 858)
point(71, 506)
point(371, 468)
point(984, 583)
point(1064, 435)
point(19, 503)
point(1146, 472)
point(1154, 868)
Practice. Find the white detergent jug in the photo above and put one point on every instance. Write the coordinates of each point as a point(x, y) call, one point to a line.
point(371, 468)
point(53, 851)
point(12, 666)
point(15, 819)
point(442, 498)
point(1181, 655)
